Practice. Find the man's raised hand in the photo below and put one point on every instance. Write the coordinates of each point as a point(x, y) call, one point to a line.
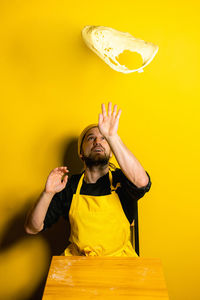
point(56, 180)
point(108, 122)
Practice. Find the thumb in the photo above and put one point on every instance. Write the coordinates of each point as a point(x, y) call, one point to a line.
point(65, 179)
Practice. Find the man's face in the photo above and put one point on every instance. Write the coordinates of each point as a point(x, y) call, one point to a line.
point(95, 149)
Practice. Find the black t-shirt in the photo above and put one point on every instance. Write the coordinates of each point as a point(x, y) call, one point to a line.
point(128, 194)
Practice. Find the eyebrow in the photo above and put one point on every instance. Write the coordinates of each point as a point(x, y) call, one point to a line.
point(89, 134)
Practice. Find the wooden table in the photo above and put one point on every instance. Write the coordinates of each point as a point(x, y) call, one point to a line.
point(80, 277)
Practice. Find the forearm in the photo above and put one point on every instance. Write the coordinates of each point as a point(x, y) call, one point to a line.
point(35, 218)
point(128, 163)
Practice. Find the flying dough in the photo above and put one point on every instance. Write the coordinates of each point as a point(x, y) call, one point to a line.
point(109, 43)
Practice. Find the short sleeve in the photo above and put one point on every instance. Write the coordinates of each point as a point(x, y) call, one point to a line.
point(136, 189)
point(129, 193)
point(130, 188)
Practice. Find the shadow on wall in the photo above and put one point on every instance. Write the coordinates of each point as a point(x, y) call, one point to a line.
point(55, 237)
point(70, 158)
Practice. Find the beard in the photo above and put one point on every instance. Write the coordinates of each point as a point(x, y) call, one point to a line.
point(96, 160)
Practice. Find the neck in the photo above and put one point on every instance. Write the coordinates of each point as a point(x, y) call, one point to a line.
point(92, 174)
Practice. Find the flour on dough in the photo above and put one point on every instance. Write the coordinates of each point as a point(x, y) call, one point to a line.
point(109, 43)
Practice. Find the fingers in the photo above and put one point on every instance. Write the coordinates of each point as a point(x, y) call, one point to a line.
point(118, 114)
point(109, 109)
point(110, 113)
point(100, 119)
point(103, 110)
point(60, 170)
point(115, 110)
point(64, 180)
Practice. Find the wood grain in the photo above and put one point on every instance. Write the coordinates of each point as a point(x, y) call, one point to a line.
point(84, 278)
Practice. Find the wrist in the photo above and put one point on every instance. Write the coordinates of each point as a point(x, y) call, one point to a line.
point(48, 193)
point(112, 138)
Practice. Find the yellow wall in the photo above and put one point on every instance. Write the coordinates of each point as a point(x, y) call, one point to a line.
point(52, 85)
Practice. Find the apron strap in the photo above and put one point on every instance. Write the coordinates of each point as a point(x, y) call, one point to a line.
point(111, 181)
point(81, 182)
point(79, 185)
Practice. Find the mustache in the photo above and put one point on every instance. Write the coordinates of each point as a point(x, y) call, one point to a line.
point(99, 146)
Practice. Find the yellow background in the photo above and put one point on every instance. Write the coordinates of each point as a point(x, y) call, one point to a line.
point(52, 85)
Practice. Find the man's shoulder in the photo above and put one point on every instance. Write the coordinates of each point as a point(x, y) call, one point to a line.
point(119, 176)
point(75, 177)
point(117, 173)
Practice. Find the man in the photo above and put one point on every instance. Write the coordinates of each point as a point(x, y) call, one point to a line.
point(99, 203)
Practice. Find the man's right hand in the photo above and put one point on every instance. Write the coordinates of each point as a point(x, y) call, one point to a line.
point(56, 180)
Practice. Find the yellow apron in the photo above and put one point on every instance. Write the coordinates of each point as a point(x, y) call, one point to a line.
point(99, 226)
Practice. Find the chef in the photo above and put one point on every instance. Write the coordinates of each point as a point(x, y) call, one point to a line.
point(99, 203)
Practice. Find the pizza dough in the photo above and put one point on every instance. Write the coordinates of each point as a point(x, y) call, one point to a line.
point(109, 44)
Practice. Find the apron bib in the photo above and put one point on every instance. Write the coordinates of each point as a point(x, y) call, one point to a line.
point(99, 226)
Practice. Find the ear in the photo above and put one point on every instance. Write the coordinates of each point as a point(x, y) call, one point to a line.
point(81, 156)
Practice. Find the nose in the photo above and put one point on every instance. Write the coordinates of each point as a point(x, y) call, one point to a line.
point(97, 141)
